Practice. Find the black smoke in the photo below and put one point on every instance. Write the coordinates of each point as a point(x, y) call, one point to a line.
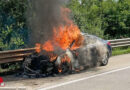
point(42, 17)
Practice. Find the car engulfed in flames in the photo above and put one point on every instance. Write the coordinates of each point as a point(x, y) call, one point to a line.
point(91, 53)
point(68, 50)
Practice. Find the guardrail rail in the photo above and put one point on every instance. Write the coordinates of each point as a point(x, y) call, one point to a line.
point(18, 55)
point(15, 55)
point(120, 42)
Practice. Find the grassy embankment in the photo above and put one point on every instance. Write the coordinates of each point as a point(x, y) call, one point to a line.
point(120, 50)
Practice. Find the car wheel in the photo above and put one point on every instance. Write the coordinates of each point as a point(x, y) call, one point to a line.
point(104, 61)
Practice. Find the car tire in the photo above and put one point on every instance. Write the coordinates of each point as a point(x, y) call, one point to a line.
point(104, 61)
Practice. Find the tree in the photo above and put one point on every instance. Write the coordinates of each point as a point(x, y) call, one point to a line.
point(116, 17)
point(87, 16)
point(105, 18)
point(13, 30)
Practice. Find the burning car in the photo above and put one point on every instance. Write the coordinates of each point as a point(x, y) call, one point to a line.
point(66, 50)
point(93, 51)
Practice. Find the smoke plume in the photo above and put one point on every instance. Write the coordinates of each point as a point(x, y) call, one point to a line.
point(42, 17)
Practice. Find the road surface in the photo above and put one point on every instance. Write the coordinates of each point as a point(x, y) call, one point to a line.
point(114, 76)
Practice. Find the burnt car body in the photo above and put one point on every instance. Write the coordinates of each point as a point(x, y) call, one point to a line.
point(93, 52)
point(93, 40)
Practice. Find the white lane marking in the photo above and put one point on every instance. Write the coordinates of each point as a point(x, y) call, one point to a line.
point(85, 78)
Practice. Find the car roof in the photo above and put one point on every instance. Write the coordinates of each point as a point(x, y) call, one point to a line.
point(93, 36)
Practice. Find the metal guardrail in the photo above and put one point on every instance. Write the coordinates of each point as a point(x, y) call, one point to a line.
point(120, 42)
point(18, 55)
point(15, 55)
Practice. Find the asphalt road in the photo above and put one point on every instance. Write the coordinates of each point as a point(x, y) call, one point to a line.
point(114, 76)
point(115, 80)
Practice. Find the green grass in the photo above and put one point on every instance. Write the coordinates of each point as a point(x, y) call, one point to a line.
point(120, 50)
point(12, 68)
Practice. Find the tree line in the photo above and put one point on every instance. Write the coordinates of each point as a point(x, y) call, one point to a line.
point(108, 19)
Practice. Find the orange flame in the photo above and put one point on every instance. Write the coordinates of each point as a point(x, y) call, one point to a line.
point(59, 70)
point(52, 57)
point(63, 35)
point(38, 47)
point(65, 58)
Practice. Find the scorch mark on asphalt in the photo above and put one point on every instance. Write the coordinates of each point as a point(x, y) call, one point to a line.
point(85, 78)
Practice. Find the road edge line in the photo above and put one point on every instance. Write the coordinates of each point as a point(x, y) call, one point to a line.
point(85, 78)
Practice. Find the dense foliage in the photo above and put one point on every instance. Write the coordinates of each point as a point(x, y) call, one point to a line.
point(13, 30)
point(108, 19)
point(105, 18)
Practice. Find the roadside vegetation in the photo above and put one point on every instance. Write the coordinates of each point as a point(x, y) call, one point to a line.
point(10, 68)
point(120, 50)
point(109, 19)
